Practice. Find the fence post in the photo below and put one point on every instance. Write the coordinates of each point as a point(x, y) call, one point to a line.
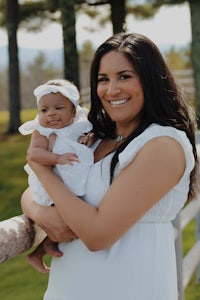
point(197, 234)
point(179, 253)
point(17, 235)
point(197, 218)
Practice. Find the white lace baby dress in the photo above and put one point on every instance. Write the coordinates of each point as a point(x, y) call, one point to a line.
point(74, 176)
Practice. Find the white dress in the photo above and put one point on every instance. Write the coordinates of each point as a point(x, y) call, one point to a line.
point(139, 266)
point(74, 176)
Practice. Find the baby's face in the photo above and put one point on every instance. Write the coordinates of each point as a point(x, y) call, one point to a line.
point(55, 111)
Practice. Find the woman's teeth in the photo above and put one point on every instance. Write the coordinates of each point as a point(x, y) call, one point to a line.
point(118, 102)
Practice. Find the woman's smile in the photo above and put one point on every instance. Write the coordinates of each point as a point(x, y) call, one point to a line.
point(118, 102)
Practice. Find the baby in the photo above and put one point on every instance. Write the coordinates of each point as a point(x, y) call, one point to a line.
point(58, 139)
point(55, 132)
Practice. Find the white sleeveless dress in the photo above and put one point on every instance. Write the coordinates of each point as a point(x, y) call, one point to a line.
point(139, 266)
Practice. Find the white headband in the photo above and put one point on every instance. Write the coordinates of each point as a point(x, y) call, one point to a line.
point(69, 91)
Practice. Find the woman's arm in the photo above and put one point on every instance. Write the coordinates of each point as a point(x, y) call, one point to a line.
point(47, 218)
point(157, 168)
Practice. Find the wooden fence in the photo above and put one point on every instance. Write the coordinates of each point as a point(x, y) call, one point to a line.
point(185, 78)
point(19, 234)
point(187, 265)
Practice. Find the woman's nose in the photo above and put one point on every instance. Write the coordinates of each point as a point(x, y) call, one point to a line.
point(113, 88)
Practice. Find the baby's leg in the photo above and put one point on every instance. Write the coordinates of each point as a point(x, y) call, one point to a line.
point(36, 257)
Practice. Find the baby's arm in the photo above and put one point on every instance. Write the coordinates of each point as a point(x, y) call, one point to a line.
point(40, 152)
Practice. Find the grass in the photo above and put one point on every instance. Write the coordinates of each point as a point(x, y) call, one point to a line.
point(19, 281)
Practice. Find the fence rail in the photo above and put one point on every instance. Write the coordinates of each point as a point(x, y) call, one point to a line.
point(19, 234)
point(187, 265)
point(185, 77)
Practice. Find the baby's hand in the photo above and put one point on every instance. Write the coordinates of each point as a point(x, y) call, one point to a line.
point(87, 140)
point(67, 158)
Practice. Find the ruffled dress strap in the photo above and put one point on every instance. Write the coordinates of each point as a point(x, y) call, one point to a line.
point(153, 131)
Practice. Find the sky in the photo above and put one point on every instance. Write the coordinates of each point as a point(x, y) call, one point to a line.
point(170, 26)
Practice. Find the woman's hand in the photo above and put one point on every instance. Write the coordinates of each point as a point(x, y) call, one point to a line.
point(55, 227)
point(47, 218)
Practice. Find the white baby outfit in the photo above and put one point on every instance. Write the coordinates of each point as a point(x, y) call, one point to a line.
point(74, 176)
point(141, 265)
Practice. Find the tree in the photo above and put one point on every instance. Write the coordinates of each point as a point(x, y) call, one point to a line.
point(14, 77)
point(10, 19)
point(71, 70)
point(195, 47)
point(118, 14)
point(195, 22)
point(40, 11)
point(37, 72)
point(121, 8)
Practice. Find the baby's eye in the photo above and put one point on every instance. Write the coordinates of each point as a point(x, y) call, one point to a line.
point(44, 110)
point(59, 107)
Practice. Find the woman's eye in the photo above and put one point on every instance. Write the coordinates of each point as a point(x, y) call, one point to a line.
point(102, 79)
point(124, 76)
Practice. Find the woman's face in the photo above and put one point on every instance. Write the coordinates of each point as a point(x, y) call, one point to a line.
point(120, 90)
point(55, 111)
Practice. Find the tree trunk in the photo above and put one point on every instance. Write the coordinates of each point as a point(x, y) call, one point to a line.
point(118, 14)
point(195, 24)
point(13, 70)
point(71, 65)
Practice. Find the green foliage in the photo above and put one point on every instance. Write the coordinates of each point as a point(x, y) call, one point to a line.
point(179, 59)
point(36, 73)
point(142, 11)
point(2, 12)
point(13, 177)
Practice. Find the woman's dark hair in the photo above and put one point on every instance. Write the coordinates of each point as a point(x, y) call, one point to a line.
point(164, 103)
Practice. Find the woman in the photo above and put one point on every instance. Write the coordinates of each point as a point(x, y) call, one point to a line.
point(144, 172)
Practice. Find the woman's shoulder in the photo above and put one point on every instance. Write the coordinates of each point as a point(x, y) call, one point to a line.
point(151, 132)
point(157, 130)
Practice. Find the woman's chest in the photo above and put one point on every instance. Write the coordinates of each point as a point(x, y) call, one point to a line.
point(98, 180)
point(104, 148)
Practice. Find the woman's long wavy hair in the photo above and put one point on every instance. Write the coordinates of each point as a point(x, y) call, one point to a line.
point(163, 100)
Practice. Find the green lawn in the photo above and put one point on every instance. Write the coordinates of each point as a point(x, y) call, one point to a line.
point(18, 280)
